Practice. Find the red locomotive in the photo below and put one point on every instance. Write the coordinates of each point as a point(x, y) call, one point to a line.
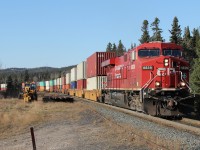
point(152, 78)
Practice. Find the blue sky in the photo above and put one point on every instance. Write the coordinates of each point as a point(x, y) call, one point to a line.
point(58, 33)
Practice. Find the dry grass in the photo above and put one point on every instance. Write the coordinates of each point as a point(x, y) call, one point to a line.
point(16, 116)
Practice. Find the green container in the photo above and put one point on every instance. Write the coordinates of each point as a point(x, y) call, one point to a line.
point(42, 83)
point(51, 82)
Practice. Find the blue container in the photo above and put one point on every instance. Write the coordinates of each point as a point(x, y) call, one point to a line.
point(51, 82)
point(42, 83)
point(73, 85)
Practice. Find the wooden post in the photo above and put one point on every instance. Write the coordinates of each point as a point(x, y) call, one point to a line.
point(33, 138)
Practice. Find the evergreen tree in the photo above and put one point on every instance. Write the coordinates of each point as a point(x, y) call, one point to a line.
point(9, 83)
point(114, 48)
point(156, 31)
point(195, 37)
point(120, 49)
point(175, 32)
point(189, 52)
point(195, 76)
point(145, 38)
point(109, 47)
point(26, 76)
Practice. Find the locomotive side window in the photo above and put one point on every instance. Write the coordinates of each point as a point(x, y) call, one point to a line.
point(148, 52)
point(170, 52)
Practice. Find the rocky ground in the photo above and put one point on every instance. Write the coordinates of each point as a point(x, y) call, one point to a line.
point(83, 125)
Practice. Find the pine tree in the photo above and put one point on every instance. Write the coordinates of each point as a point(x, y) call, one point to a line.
point(145, 38)
point(195, 37)
point(156, 31)
point(109, 47)
point(195, 76)
point(120, 49)
point(189, 52)
point(26, 76)
point(175, 32)
point(114, 48)
point(9, 83)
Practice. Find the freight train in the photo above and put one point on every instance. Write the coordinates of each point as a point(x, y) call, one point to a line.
point(152, 78)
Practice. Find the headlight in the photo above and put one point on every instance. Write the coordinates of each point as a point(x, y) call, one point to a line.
point(166, 64)
point(182, 84)
point(166, 60)
point(157, 83)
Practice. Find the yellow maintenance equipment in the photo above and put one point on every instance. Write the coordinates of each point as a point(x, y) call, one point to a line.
point(29, 92)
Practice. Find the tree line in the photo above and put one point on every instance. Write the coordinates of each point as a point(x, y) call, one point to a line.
point(189, 40)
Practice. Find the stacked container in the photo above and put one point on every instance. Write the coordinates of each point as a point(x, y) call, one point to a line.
point(68, 81)
point(51, 83)
point(3, 87)
point(58, 84)
point(63, 83)
point(96, 74)
point(55, 85)
point(73, 83)
point(47, 86)
point(42, 86)
point(81, 75)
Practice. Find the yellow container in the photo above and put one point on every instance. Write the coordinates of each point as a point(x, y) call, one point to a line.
point(87, 94)
point(72, 92)
point(79, 93)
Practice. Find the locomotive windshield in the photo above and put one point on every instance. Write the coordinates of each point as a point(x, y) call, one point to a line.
point(170, 52)
point(148, 52)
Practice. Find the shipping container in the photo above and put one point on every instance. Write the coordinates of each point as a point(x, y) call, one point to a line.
point(63, 81)
point(73, 85)
point(68, 78)
point(81, 84)
point(42, 83)
point(51, 82)
point(74, 74)
point(93, 64)
point(67, 86)
point(3, 87)
point(96, 83)
point(55, 85)
point(81, 71)
point(47, 86)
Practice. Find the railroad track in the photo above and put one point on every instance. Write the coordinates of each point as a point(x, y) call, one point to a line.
point(189, 125)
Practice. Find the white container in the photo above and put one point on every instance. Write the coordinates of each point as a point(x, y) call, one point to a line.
point(58, 81)
point(55, 82)
point(81, 71)
point(68, 78)
point(3, 87)
point(47, 83)
point(73, 74)
point(96, 83)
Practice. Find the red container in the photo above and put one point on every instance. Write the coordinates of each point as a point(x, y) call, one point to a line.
point(51, 88)
point(81, 84)
point(63, 81)
point(94, 63)
point(67, 86)
point(55, 88)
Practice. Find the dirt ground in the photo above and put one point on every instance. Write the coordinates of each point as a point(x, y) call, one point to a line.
point(61, 126)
